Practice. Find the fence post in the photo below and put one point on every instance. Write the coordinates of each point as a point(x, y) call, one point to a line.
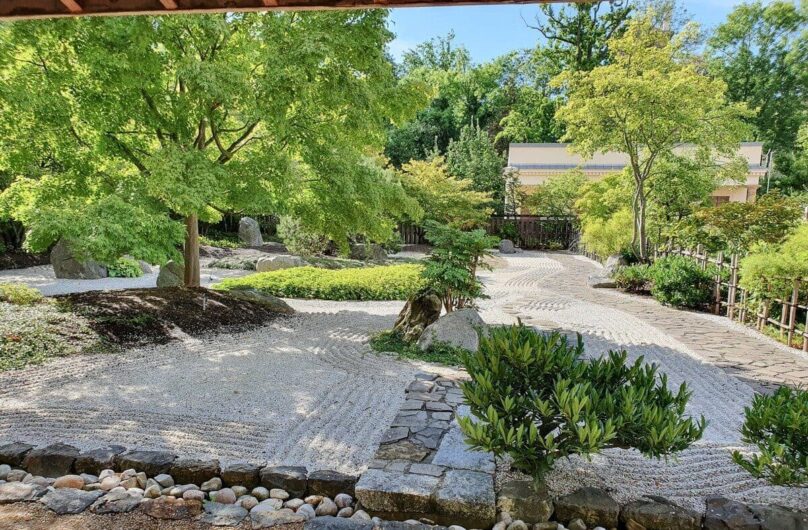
point(733, 285)
point(720, 263)
point(792, 317)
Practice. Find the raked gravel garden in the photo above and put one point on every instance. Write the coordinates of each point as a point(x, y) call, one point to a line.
point(307, 390)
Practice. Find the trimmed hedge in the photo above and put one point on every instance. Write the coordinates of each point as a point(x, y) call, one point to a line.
point(393, 282)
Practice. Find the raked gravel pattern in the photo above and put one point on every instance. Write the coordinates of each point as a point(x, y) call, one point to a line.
point(307, 390)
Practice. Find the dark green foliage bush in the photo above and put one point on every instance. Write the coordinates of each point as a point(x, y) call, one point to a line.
point(510, 231)
point(634, 278)
point(125, 268)
point(438, 352)
point(778, 425)
point(681, 282)
point(393, 282)
point(451, 269)
point(536, 399)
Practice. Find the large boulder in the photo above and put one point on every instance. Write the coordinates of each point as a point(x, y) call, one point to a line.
point(506, 246)
point(172, 274)
point(273, 303)
point(525, 500)
point(67, 266)
point(613, 263)
point(54, 460)
point(249, 232)
point(659, 513)
point(193, 470)
point(419, 312)
point(459, 328)
point(367, 252)
point(592, 505)
point(276, 263)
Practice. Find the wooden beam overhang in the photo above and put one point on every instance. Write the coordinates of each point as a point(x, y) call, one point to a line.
point(18, 9)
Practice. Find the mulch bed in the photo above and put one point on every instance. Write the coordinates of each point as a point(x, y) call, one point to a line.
point(17, 259)
point(136, 317)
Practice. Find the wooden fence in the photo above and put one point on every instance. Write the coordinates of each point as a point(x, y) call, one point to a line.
point(737, 303)
point(530, 232)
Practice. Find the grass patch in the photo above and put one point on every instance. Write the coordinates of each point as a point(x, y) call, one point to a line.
point(439, 352)
point(393, 282)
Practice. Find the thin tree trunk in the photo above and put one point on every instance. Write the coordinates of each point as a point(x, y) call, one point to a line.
point(191, 254)
point(639, 237)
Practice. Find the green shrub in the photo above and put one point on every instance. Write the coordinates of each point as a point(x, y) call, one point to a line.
point(125, 268)
point(510, 231)
point(394, 282)
point(767, 269)
point(220, 240)
point(536, 399)
point(298, 240)
point(634, 278)
point(610, 236)
point(438, 352)
point(681, 282)
point(451, 268)
point(778, 425)
point(19, 294)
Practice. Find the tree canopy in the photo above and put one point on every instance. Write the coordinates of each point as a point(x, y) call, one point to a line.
point(131, 124)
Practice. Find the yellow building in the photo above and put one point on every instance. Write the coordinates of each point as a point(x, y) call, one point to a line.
point(536, 163)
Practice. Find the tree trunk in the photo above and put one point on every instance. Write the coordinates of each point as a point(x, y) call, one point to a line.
point(640, 238)
point(191, 254)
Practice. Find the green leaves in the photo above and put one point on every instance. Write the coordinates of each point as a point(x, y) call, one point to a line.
point(778, 425)
point(535, 399)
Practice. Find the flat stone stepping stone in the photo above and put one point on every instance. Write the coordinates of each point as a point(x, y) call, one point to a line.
point(337, 523)
point(331, 483)
point(393, 491)
point(218, 514)
point(18, 492)
point(67, 500)
point(454, 453)
point(467, 498)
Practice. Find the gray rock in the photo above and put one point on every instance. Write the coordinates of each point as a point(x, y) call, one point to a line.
point(152, 492)
point(361, 514)
point(248, 502)
point(164, 480)
point(613, 263)
point(521, 525)
point(5, 469)
point(779, 518)
point(66, 500)
point(172, 274)
point(506, 246)
point(390, 491)
point(599, 281)
point(14, 453)
point(193, 470)
point(276, 263)
point(240, 491)
point(97, 460)
point(260, 493)
point(458, 328)
point(249, 232)
point(592, 505)
point(326, 507)
point(367, 252)
point(726, 514)
point(263, 518)
point(343, 500)
point(150, 462)
point(223, 514)
point(16, 475)
point(193, 495)
point(307, 511)
point(241, 474)
point(467, 498)
point(279, 493)
point(54, 460)
point(419, 312)
point(273, 303)
point(223, 496)
point(660, 513)
point(17, 492)
point(171, 509)
point(67, 265)
point(455, 453)
point(346, 512)
point(575, 524)
point(289, 478)
point(118, 501)
point(524, 500)
point(330, 483)
point(339, 523)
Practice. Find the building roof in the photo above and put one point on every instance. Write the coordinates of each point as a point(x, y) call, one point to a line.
point(54, 8)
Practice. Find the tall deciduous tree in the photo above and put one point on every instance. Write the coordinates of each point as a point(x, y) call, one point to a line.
point(649, 98)
point(116, 128)
point(473, 157)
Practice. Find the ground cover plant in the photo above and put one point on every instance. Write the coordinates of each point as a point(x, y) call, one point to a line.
point(778, 425)
point(19, 294)
point(392, 282)
point(124, 268)
point(438, 352)
point(535, 398)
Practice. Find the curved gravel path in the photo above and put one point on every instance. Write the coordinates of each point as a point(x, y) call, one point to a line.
point(307, 390)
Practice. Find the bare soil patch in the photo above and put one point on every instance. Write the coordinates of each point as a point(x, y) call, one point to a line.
point(136, 317)
point(17, 259)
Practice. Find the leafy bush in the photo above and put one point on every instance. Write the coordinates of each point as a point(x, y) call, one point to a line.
point(220, 240)
point(634, 278)
point(19, 294)
point(536, 399)
point(125, 268)
point(610, 236)
point(394, 282)
point(681, 282)
point(451, 269)
point(438, 352)
point(778, 425)
point(298, 239)
point(510, 231)
point(557, 196)
point(767, 269)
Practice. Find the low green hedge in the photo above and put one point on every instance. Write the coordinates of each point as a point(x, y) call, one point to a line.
point(673, 280)
point(634, 278)
point(393, 282)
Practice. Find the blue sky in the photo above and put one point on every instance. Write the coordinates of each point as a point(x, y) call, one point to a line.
point(489, 31)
